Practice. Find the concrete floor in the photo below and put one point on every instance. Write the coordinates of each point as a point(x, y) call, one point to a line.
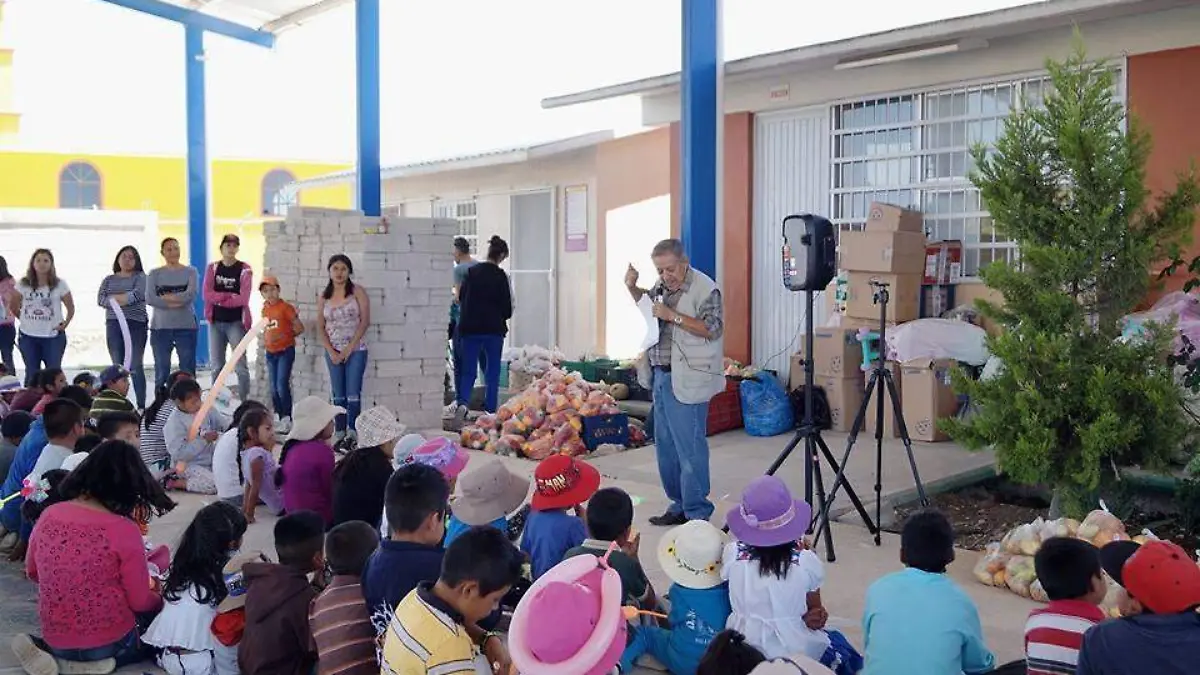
point(736, 459)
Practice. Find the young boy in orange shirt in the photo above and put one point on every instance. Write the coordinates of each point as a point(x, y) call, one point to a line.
point(279, 339)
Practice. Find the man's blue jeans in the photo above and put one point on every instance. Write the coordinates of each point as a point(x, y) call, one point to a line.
point(224, 335)
point(116, 351)
point(346, 382)
point(488, 348)
point(681, 446)
point(279, 372)
point(162, 341)
point(41, 352)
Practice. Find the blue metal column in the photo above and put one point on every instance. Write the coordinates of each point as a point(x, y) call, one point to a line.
point(366, 28)
point(699, 136)
point(197, 174)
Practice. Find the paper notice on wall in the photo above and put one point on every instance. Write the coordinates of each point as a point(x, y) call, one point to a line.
point(646, 307)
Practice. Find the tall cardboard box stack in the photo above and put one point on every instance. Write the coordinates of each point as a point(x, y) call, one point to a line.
point(928, 397)
point(407, 274)
point(890, 249)
point(837, 362)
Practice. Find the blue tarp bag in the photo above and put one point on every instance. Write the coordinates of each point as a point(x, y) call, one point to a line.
point(766, 408)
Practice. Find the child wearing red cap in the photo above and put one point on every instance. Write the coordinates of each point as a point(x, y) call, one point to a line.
point(560, 483)
point(1160, 632)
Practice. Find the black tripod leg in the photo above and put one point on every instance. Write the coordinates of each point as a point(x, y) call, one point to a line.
point(815, 463)
point(858, 505)
point(787, 451)
point(912, 459)
point(840, 480)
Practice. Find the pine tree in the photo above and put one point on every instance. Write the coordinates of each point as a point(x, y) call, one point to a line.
point(1066, 181)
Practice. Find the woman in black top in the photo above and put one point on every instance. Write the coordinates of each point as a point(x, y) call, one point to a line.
point(485, 306)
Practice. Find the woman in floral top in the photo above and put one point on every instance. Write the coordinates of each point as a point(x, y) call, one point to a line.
point(343, 315)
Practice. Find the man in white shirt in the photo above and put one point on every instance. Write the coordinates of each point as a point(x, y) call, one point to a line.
point(63, 420)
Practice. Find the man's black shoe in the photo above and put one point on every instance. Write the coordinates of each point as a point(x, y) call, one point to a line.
point(668, 519)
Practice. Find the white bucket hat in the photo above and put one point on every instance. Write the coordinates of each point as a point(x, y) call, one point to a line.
point(377, 426)
point(310, 415)
point(690, 554)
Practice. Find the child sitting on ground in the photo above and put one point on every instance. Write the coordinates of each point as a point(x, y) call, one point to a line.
point(114, 393)
point(87, 380)
point(775, 582)
point(610, 520)
point(194, 587)
point(119, 426)
point(434, 629)
point(446, 456)
point(360, 479)
point(278, 597)
point(560, 483)
point(340, 623)
point(690, 556)
point(50, 382)
point(917, 621)
point(1069, 570)
point(226, 461)
point(489, 494)
point(192, 460)
point(416, 500)
point(256, 464)
point(730, 654)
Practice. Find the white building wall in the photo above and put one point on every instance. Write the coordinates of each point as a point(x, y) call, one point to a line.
point(1111, 39)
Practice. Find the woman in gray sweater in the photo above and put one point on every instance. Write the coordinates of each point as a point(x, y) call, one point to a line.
point(127, 286)
point(170, 290)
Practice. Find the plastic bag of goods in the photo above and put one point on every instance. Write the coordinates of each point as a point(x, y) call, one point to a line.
point(766, 408)
point(1060, 527)
point(990, 569)
point(938, 339)
point(1023, 539)
point(1101, 527)
point(540, 449)
point(1113, 598)
point(474, 438)
point(1020, 574)
point(1037, 592)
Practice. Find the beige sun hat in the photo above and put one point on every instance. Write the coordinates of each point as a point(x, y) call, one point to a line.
point(310, 415)
point(377, 426)
point(489, 492)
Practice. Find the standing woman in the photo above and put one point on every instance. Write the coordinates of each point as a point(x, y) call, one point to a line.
point(38, 304)
point(227, 285)
point(8, 322)
point(127, 285)
point(343, 314)
point(170, 290)
point(485, 298)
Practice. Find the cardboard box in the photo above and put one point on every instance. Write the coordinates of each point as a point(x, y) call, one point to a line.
point(928, 397)
point(935, 301)
point(836, 351)
point(904, 296)
point(890, 429)
point(845, 396)
point(892, 218)
point(943, 262)
point(886, 252)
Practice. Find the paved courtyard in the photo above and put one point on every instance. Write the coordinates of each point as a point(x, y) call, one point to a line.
point(736, 459)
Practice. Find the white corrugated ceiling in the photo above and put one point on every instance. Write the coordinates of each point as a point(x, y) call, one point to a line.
point(269, 15)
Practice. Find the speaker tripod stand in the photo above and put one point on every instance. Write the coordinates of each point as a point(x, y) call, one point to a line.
point(881, 384)
point(809, 433)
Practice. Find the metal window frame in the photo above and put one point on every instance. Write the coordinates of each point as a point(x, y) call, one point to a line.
point(70, 174)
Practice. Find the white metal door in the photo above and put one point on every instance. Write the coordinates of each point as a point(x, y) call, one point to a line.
point(532, 269)
point(791, 175)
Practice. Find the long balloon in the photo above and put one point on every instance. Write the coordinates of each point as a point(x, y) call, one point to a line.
point(219, 383)
point(116, 308)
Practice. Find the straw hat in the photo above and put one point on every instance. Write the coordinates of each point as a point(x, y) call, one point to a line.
point(690, 554)
point(377, 426)
point(768, 515)
point(489, 492)
point(310, 415)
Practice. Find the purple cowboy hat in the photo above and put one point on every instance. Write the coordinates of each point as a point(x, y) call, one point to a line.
point(768, 515)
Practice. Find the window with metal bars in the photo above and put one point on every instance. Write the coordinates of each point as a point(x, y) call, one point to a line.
point(913, 150)
point(80, 187)
point(464, 211)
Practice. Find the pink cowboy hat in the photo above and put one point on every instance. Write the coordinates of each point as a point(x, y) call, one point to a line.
point(570, 621)
point(442, 454)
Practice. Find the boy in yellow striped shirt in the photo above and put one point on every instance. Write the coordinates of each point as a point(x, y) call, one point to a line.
point(435, 631)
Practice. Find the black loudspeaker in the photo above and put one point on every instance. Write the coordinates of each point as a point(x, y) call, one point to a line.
point(809, 253)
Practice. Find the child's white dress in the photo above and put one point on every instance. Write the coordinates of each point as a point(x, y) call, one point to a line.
point(768, 610)
point(184, 631)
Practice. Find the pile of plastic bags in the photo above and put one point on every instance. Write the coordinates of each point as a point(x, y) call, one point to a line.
point(532, 359)
point(1008, 563)
point(545, 419)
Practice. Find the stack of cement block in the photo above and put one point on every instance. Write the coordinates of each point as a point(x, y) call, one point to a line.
point(406, 272)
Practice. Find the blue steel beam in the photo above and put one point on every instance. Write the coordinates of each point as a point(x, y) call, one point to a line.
point(366, 26)
point(197, 173)
point(699, 123)
point(194, 19)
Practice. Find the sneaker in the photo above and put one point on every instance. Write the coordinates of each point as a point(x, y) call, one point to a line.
point(283, 426)
point(450, 411)
point(101, 667)
point(34, 660)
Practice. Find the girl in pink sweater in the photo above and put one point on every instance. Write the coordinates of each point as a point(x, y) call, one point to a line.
point(89, 560)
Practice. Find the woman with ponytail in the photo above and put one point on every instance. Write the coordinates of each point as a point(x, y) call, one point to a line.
point(485, 306)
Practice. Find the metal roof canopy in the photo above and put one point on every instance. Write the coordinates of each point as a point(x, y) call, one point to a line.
point(992, 25)
point(253, 21)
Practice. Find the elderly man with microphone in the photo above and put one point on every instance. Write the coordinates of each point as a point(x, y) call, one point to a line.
point(684, 370)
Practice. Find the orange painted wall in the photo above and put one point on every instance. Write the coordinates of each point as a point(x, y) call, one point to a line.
point(736, 255)
point(1163, 98)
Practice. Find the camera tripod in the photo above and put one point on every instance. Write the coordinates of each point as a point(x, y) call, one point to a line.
point(882, 383)
point(814, 446)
